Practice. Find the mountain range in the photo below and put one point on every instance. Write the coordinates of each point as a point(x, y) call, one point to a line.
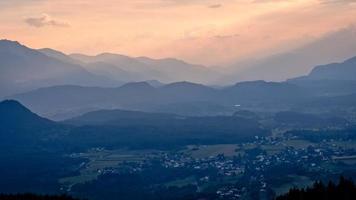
point(183, 98)
point(24, 131)
point(333, 47)
point(23, 69)
point(60, 86)
point(192, 99)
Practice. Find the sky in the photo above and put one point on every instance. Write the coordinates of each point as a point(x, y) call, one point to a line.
point(209, 32)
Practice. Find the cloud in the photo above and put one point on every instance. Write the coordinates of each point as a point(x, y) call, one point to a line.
point(45, 20)
point(270, 1)
point(215, 6)
point(337, 1)
point(223, 37)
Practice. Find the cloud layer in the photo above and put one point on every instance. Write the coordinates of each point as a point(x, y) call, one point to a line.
point(45, 20)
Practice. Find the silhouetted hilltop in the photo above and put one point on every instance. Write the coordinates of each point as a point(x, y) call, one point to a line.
point(34, 197)
point(344, 190)
point(335, 71)
point(13, 114)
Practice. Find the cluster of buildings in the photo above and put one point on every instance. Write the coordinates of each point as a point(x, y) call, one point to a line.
point(253, 169)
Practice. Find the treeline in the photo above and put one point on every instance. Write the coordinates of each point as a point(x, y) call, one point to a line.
point(344, 190)
point(34, 197)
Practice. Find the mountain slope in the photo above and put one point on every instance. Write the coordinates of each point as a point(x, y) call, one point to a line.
point(59, 56)
point(49, 101)
point(31, 151)
point(165, 70)
point(20, 128)
point(182, 98)
point(334, 47)
point(22, 69)
point(187, 91)
point(255, 92)
point(122, 62)
point(345, 71)
point(113, 72)
point(13, 114)
point(120, 117)
point(142, 129)
point(177, 70)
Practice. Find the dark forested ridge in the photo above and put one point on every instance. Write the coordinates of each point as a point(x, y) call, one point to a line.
point(34, 197)
point(344, 190)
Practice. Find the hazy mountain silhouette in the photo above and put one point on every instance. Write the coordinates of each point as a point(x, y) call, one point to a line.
point(333, 47)
point(155, 83)
point(113, 72)
point(165, 70)
point(22, 69)
point(178, 70)
point(187, 91)
point(331, 79)
point(49, 101)
point(345, 71)
point(183, 98)
point(59, 55)
point(125, 63)
point(261, 92)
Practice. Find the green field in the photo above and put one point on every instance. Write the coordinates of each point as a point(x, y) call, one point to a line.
point(298, 144)
point(344, 144)
point(229, 150)
point(99, 160)
point(204, 151)
point(182, 182)
point(349, 160)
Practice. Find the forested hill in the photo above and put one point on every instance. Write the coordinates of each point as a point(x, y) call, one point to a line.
point(344, 190)
point(34, 197)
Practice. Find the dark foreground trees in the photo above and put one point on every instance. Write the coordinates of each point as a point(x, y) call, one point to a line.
point(34, 197)
point(344, 190)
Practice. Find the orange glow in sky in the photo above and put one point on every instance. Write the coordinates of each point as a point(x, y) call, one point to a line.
point(211, 32)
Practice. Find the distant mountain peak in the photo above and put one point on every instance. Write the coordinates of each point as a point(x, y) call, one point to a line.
point(186, 85)
point(109, 54)
point(138, 85)
point(9, 42)
point(351, 60)
point(260, 83)
point(58, 55)
point(183, 83)
point(155, 83)
point(257, 82)
point(11, 46)
point(51, 50)
point(11, 104)
point(162, 59)
point(335, 71)
point(10, 108)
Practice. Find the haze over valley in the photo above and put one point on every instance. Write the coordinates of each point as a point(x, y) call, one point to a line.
point(178, 100)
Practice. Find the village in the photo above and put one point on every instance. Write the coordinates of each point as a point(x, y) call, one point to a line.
point(234, 171)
